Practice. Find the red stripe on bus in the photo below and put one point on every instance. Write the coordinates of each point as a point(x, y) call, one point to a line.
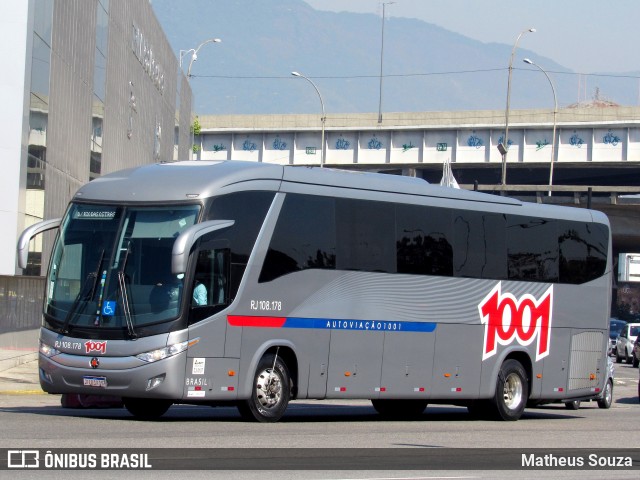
point(251, 321)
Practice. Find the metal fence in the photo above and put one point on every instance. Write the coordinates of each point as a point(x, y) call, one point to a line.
point(21, 301)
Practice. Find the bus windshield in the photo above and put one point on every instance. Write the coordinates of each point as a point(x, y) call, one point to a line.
point(111, 267)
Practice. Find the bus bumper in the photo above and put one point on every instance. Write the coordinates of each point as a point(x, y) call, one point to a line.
point(161, 379)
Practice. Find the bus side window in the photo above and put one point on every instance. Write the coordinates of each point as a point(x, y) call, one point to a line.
point(210, 288)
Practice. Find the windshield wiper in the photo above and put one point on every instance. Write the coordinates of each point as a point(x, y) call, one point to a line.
point(84, 295)
point(122, 282)
point(125, 304)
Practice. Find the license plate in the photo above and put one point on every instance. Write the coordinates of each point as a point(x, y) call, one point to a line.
point(95, 382)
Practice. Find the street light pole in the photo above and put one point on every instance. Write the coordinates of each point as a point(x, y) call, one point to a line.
point(504, 146)
point(555, 113)
point(381, 61)
point(184, 53)
point(322, 119)
point(194, 56)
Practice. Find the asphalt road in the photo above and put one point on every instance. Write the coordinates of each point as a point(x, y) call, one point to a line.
point(38, 422)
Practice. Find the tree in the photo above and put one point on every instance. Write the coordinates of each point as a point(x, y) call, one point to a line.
point(195, 131)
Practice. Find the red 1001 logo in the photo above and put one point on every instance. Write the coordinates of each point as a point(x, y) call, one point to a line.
point(524, 320)
point(91, 346)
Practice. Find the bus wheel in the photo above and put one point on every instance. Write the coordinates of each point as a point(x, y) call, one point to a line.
point(607, 395)
point(572, 405)
point(399, 408)
point(271, 391)
point(512, 391)
point(147, 409)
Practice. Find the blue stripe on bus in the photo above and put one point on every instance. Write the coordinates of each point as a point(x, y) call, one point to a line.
point(364, 325)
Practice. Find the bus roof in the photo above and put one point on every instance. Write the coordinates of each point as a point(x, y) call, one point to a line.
point(198, 180)
point(179, 181)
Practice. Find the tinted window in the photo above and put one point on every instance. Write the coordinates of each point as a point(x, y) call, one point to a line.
point(304, 237)
point(424, 240)
point(532, 249)
point(345, 234)
point(583, 251)
point(365, 236)
point(209, 292)
point(248, 210)
point(480, 244)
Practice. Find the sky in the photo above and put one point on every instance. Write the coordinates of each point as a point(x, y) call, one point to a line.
point(587, 36)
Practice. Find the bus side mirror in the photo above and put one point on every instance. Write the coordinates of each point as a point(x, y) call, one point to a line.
point(29, 233)
point(184, 242)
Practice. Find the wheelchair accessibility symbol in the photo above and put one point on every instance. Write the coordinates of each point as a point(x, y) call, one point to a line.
point(109, 308)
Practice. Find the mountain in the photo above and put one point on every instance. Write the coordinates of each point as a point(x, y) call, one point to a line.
point(426, 68)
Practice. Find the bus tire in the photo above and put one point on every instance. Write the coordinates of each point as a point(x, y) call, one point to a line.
point(572, 405)
point(399, 408)
point(146, 408)
point(512, 391)
point(270, 393)
point(607, 395)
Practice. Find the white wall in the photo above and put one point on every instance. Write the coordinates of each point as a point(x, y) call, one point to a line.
point(14, 22)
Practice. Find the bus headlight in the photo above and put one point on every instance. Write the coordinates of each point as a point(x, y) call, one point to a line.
point(162, 353)
point(47, 350)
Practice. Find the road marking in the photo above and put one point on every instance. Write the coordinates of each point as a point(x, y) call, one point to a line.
point(22, 392)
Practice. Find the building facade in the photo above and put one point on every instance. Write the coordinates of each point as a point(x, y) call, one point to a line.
point(90, 87)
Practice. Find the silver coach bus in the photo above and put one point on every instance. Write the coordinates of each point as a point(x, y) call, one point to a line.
point(239, 283)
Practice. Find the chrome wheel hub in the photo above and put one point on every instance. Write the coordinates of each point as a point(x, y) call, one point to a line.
point(268, 388)
point(512, 392)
